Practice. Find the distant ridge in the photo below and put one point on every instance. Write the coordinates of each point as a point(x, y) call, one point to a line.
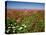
point(26, 9)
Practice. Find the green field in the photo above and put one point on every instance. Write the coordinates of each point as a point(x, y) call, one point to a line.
point(24, 22)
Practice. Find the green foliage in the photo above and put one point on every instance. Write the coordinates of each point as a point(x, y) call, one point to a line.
point(28, 24)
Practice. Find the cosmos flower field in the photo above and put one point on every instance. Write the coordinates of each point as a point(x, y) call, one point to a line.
point(24, 21)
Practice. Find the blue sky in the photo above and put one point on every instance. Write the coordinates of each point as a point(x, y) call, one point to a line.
point(24, 5)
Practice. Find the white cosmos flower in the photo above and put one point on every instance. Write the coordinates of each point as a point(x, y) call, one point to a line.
point(8, 31)
point(20, 28)
point(9, 27)
point(13, 27)
point(13, 31)
point(25, 26)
